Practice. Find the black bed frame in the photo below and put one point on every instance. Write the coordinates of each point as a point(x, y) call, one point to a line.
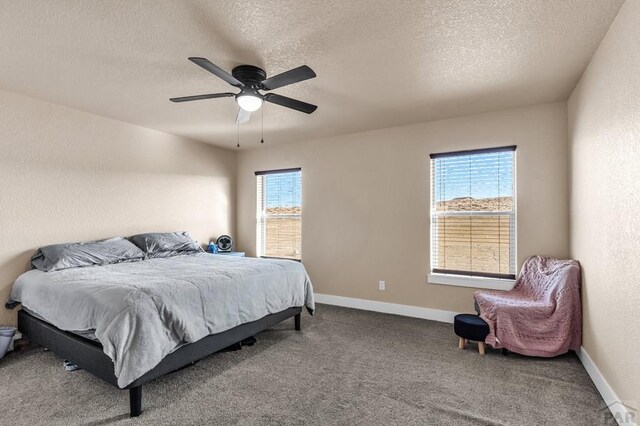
point(88, 354)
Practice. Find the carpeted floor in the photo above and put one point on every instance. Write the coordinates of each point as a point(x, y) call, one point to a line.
point(345, 367)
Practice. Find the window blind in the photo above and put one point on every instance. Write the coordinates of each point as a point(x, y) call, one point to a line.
point(473, 213)
point(279, 213)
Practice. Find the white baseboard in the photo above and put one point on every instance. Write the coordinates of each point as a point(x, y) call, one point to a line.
point(387, 308)
point(623, 414)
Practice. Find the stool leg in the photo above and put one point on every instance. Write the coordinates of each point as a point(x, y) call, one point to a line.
point(481, 348)
point(461, 343)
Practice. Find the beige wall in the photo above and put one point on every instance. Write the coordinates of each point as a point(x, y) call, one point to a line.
point(604, 140)
point(366, 200)
point(66, 175)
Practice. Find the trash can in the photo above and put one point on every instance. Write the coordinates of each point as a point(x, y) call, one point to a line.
point(6, 335)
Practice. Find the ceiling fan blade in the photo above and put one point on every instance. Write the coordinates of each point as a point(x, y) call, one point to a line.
point(200, 97)
point(217, 71)
point(243, 116)
point(295, 75)
point(290, 103)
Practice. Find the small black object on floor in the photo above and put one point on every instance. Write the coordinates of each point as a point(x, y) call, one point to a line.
point(70, 365)
point(249, 341)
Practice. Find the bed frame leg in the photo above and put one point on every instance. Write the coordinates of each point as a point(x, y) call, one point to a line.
point(297, 320)
point(135, 401)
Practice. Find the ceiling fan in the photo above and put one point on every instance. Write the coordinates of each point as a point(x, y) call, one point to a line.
point(250, 79)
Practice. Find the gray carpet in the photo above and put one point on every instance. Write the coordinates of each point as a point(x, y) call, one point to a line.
point(345, 367)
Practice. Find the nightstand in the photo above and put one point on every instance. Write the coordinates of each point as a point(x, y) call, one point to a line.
point(230, 253)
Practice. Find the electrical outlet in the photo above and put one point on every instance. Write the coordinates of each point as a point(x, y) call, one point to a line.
point(382, 285)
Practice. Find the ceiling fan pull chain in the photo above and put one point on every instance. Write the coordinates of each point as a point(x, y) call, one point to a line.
point(238, 134)
point(262, 129)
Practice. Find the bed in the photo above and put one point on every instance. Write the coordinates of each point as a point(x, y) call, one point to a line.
point(152, 316)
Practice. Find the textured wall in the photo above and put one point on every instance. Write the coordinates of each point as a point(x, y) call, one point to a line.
point(366, 200)
point(66, 175)
point(604, 133)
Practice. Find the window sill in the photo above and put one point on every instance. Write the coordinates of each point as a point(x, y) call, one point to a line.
point(475, 282)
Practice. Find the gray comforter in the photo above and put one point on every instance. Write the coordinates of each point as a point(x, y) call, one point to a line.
point(142, 311)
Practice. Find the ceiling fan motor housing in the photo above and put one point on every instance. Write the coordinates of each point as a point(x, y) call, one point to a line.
point(250, 79)
point(250, 75)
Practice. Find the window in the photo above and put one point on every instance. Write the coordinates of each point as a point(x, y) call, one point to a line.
point(473, 214)
point(279, 213)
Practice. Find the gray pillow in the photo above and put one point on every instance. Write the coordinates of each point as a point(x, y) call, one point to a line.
point(74, 255)
point(166, 244)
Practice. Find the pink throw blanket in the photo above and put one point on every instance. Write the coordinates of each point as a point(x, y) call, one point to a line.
point(541, 315)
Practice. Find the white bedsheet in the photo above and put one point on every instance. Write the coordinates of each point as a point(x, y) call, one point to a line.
point(142, 311)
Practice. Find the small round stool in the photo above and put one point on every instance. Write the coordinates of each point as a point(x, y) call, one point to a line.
point(470, 327)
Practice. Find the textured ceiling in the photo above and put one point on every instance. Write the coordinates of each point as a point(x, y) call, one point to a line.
point(379, 63)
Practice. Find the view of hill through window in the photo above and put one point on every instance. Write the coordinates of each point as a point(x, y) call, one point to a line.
point(473, 214)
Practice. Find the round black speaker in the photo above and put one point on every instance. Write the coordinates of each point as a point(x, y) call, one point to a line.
point(224, 243)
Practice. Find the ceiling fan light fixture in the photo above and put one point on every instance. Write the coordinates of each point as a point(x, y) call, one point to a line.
point(250, 79)
point(249, 102)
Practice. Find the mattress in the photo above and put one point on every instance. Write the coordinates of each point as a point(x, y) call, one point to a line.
point(142, 311)
point(85, 334)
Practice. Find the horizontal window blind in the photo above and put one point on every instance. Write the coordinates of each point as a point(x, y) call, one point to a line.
point(473, 213)
point(279, 213)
